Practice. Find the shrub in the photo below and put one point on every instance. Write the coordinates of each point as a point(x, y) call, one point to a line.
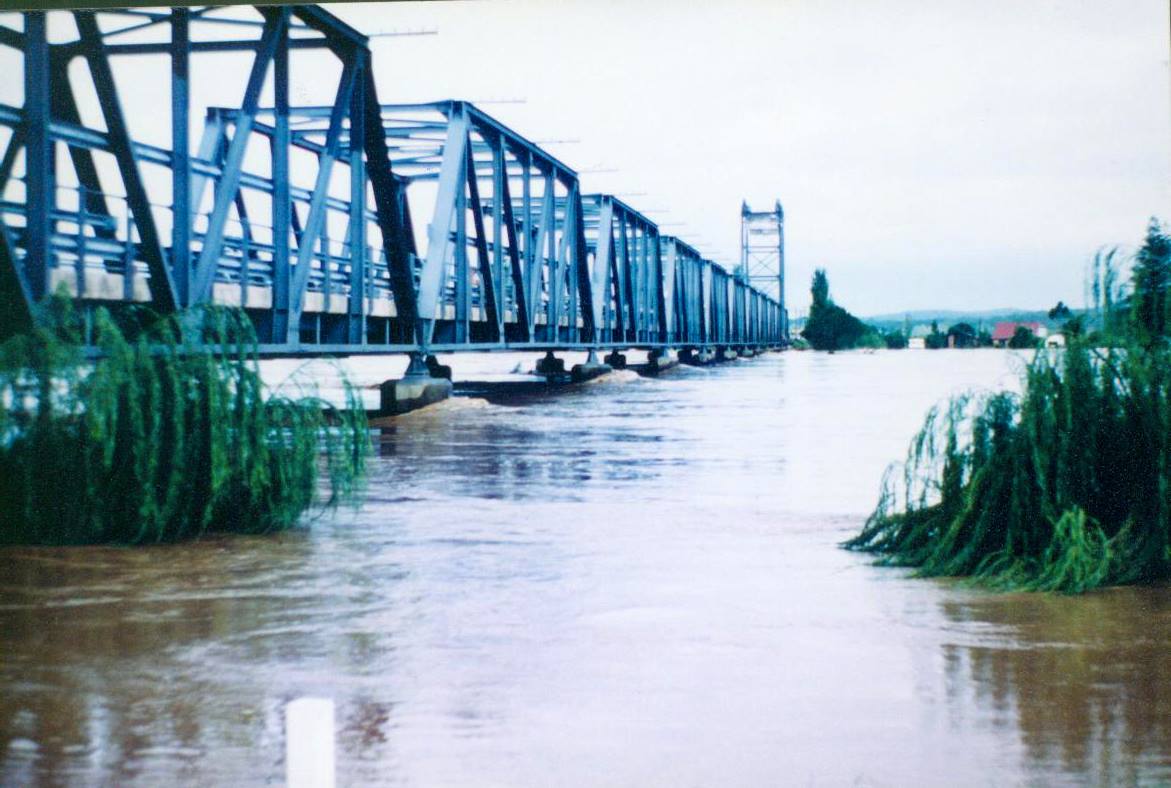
point(1066, 487)
point(163, 437)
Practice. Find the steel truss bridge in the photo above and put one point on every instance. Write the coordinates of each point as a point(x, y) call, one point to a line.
point(310, 217)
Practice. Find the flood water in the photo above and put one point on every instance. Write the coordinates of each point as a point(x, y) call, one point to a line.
point(633, 583)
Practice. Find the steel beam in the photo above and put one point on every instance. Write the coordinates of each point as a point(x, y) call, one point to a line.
point(499, 175)
point(162, 287)
point(585, 293)
point(318, 209)
point(280, 329)
point(213, 244)
point(451, 181)
point(38, 157)
point(488, 289)
point(392, 208)
point(181, 154)
point(356, 308)
point(516, 263)
point(16, 296)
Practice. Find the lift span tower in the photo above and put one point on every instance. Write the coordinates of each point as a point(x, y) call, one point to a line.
point(762, 253)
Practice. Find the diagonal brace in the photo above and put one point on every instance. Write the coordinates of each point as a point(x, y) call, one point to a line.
point(213, 243)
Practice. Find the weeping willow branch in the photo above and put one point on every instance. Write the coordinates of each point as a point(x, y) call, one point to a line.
point(169, 435)
point(1065, 488)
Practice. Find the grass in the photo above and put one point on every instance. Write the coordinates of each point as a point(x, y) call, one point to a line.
point(170, 434)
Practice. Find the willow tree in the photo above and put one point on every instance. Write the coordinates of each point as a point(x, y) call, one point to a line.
point(169, 434)
point(1065, 487)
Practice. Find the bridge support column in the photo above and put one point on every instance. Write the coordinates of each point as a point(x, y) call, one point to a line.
point(657, 361)
point(726, 354)
point(590, 369)
point(437, 370)
point(418, 387)
point(551, 366)
point(616, 360)
point(697, 357)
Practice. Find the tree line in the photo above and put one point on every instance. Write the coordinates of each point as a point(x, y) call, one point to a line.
point(1142, 307)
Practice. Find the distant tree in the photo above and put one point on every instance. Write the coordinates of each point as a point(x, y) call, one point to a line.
point(1023, 338)
point(1071, 325)
point(895, 340)
point(830, 327)
point(820, 289)
point(1151, 283)
point(983, 338)
point(936, 340)
point(964, 335)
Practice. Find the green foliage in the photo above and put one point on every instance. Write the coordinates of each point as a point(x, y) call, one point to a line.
point(820, 288)
point(1151, 305)
point(1065, 488)
point(829, 326)
point(962, 335)
point(936, 340)
point(1074, 327)
point(161, 438)
point(895, 340)
point(1023, 339)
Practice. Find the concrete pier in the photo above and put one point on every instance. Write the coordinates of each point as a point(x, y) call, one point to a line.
point(700, 357)
point(726, 354)
point(658, 361)
point(550, 366)
point(616, 360)
point(589, 370)
point(416, 389)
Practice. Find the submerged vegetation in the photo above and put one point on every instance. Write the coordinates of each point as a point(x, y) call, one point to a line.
point(1065, 487)
point(167, 435)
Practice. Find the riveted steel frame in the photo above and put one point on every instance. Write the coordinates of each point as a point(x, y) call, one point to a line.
point(503, 251)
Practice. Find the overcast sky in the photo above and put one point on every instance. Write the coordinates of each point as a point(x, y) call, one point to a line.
point(929, 155)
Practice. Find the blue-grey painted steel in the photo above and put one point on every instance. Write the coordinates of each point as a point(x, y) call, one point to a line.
point(762, 255)
point(515, 255)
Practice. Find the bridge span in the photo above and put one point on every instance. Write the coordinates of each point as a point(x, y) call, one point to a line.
point(341, 225)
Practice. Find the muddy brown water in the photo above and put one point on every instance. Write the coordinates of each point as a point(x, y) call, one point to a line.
point(632, 583)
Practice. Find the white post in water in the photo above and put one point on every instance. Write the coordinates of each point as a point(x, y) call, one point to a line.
point(309, 743)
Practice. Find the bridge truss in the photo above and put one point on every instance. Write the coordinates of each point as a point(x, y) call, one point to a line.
point(762, 253)
point(343, 226)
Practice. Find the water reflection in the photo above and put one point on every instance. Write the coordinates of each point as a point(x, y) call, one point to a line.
point(1086, 681)
point(122, 665)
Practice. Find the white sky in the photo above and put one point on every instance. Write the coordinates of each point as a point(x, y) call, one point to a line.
point(953, 154)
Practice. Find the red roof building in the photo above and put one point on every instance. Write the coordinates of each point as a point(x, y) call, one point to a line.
point(1004, 331)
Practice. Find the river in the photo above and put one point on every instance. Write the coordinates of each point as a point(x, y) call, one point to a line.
point(632, 583)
